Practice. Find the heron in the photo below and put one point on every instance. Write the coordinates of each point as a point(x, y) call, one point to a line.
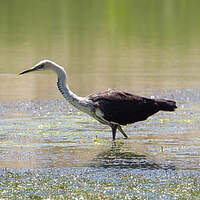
point(112, 107)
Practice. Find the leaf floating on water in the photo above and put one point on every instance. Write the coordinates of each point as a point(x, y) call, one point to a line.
point(98, 141)
point(47, 125)
point(164, 120)
point(187, 120)
point(76, 133)
point(42, 126)
point(39, 133)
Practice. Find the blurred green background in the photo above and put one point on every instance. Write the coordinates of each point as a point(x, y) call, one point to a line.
point(109, 43)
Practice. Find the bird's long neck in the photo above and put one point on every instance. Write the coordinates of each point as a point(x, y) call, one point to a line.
point(79, 102)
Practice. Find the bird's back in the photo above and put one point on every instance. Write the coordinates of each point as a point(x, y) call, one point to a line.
point(122, 107)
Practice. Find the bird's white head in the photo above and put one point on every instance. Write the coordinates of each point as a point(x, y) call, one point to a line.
point(48, 65)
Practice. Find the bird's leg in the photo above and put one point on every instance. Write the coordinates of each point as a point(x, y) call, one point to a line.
point(121, 130)
point(114, 129)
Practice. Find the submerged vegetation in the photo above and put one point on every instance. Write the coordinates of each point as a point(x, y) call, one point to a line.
point(93, 183)
point(50, 151)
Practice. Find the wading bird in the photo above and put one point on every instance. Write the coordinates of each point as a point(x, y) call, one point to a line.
point(112, 107)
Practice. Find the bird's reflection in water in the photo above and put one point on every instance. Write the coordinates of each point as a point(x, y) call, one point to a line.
point(118, 158)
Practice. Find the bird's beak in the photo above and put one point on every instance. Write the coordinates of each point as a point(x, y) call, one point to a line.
point(28, 70)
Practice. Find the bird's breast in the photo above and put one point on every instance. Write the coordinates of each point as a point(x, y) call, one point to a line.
point(99, 113)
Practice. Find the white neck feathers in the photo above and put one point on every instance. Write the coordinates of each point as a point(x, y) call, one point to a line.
point(79, 102)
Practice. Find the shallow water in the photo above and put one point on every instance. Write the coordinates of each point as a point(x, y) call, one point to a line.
point(50, 150)
point(51, 133)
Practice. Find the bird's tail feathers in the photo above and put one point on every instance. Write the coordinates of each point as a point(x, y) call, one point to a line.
point(166, 105)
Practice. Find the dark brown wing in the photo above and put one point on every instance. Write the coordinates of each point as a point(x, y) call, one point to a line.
point(122, 107)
